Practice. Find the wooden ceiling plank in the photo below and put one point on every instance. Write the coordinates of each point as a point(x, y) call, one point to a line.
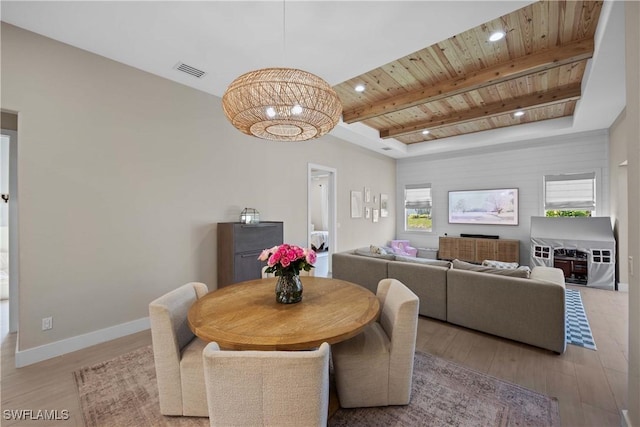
point(499, 108)
point(432, 64)
point(569, 17)
point(589, 19)
point(542, 28)
point(414, 65)
point(444, 65)
point(553, 36)
point(402, 76)
point(572, 52)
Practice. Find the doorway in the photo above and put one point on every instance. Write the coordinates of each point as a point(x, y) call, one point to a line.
point(9, 224)
point(321, 215)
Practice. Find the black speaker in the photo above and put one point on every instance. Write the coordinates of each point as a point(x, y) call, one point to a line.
point(480, 236)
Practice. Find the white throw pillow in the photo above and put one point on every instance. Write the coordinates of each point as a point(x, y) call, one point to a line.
point(499, 264)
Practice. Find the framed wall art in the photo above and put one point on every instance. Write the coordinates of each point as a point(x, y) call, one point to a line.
point(493, 207)
point(356, 204)
point(384, 205)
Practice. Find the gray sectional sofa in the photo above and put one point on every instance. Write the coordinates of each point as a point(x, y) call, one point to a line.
point(529, 310)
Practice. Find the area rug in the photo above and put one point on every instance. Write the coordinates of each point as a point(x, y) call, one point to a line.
point(578, 331)
point(122, 392)
point(447, 394)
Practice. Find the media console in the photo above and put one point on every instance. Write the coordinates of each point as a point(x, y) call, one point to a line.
point(478, 249)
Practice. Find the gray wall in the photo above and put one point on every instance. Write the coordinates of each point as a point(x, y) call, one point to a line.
point(123, 176)
point(519, 165)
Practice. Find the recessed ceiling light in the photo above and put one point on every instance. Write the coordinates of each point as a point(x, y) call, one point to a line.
point(498, 35)
point(359, 88)
point(425, 132)
point(518, 114)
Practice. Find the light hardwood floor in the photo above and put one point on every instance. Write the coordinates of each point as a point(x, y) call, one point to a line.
point(591, 386)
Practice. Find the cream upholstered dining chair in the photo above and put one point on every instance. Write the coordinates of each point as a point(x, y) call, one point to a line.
point(267, 388)
point(177, 353)
point(375, 367)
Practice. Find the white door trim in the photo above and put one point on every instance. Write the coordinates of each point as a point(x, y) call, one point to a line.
point(333, 206)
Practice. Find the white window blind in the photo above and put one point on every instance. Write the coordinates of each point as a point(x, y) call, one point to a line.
point(417, 197)
point(417, 207)
point(570, 192)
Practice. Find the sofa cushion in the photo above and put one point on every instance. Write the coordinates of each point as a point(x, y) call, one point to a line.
point(548, 274)
point(461, 265)
point(425, 261)
point(365, 271)
point(367, 252)
point(524, 310)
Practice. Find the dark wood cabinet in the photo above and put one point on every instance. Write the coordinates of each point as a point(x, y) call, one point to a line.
point(239, 246)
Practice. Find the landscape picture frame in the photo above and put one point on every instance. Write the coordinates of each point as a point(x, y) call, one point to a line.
point(497, 206)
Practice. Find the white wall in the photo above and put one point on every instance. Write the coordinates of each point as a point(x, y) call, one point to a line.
point(123, 176)
point(520, 165)
point(632, 138)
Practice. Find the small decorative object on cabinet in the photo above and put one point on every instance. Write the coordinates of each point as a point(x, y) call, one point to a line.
point(250, 216)
point(240, 245)
point(478, 249)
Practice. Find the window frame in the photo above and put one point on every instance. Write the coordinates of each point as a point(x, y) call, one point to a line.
point(590, 206)
point(404, 206)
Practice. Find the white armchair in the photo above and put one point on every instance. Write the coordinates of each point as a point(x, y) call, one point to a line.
point(178, 353)
point(375, 367)
point(267, 388)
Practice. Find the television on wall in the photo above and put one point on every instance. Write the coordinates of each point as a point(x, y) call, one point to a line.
point(493, 207)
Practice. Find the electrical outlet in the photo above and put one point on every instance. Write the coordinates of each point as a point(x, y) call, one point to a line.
point(47, 323)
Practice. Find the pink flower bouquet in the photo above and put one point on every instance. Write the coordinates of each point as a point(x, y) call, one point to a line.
point(288, 260)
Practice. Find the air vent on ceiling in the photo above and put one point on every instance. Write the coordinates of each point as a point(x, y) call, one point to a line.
point(180, 66)
point(387, 148)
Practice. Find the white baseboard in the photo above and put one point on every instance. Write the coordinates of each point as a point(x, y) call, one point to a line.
point(68, 345)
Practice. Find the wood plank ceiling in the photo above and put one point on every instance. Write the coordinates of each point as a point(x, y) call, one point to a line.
point(469, 84)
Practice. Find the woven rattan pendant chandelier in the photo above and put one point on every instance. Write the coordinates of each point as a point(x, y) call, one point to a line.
point(282, 104)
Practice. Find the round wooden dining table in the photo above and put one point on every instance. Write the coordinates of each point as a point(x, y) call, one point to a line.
point(246, 316)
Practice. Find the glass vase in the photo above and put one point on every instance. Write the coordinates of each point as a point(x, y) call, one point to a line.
point(288, 289)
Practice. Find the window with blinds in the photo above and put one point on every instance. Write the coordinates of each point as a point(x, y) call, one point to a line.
point(417, 207)
point(570, 194)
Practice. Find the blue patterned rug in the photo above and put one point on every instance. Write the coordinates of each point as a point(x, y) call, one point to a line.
point(578, 331)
